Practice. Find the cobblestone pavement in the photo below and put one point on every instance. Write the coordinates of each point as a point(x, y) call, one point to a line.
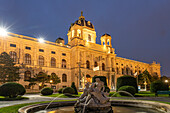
point(38, 98)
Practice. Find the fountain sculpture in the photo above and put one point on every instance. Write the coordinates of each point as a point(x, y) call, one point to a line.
point(94, 99)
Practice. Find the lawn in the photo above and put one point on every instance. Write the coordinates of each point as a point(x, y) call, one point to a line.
point(14, 108)
point(64, 96)
point(140, 94)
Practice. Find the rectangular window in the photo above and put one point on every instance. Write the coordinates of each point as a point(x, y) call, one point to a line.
point(52, 52)
point(12, 45)
point(29, 48)
point(41, 50)
point(63, 54)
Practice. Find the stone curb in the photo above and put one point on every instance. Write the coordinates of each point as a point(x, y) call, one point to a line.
point(136, 103)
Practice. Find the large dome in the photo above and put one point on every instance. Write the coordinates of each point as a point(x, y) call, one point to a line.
point(82, 22)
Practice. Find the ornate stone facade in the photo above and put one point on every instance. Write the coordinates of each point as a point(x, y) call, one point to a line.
point(78, 61)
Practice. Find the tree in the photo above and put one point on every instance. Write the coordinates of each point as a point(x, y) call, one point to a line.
point(8, 71)
point(42, 78)
point(55, 79)
point(74, 87)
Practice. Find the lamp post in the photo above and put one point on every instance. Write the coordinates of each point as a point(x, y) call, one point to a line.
point(166, 81)
point(51, 81)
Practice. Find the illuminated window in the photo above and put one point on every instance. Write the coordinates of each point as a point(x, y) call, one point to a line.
point(27, 59)
point(89, 37)
point(41, 60)
point(63, 63)
point(73, 33)
point(13, 55)
point(53, 62)
point(87, 64)
point(64, 78)
point(78, 33)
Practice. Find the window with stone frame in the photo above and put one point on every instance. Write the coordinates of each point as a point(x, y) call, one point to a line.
point(87, 64)
point(64, 78)
point(63, 65)
point(41, 60)
point(53, 62)
point(13, 55)
point(28, 59)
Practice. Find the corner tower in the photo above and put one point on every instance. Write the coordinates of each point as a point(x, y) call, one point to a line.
point(81, 31)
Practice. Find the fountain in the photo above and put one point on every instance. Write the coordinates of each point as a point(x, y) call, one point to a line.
point(94, 99)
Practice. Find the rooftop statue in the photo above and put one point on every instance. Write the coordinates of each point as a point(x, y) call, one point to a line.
point(94, 99)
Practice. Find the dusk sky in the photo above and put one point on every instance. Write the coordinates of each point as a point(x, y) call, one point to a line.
point(140, 29)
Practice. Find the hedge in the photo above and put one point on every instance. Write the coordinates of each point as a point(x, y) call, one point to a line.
point(68, 91)
point(129, 89)
point(159, 85)
point(12, 90)
point(47, 91)
point(127, 80)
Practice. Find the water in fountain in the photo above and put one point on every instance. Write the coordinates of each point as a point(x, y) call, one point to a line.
point(125, 93)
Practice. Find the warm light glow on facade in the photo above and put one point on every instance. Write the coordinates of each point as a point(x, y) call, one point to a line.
point(41, 40)
point(3, 32)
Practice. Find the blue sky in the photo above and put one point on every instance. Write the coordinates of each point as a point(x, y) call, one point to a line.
point(140, 29)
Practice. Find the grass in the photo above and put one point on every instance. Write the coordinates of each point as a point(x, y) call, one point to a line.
point(140, 94)
point(65, 96)
point(2, 98)
point(14, 108)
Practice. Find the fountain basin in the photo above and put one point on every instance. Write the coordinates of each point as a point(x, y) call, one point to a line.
point(135, 103)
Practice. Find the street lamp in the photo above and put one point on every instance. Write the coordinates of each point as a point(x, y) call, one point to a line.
point(51, 81)
point(166, 81)
point(41, 40)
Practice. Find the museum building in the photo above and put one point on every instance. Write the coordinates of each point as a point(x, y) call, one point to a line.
point(78, 61)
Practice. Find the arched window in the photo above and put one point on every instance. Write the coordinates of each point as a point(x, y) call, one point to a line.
point(131, 72)
point(108, 42)
point(103, 43)
point(41, 60)
point(72, 33)
point(127, 71)
point(28, 59)
point(13, 55)
point(27, 75)
point(117, 70)
point(103, 66)
point(63, 63)
point(79, 33)
point(53, 62)
point(95, 64)
point(122, 71)
point(64, 78)
point(87, 64)
point(89, 37)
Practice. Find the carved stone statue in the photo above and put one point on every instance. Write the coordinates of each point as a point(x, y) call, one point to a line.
point(94, 99)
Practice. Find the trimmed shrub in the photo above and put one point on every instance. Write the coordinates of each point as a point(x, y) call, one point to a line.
point(102, 78)
point(60, 90)
point(127, 80)
point(129, 89)
point(107, 89)
point(12, 90)
point(68, 91)
point(47, 91)
point(159, 85)
point(74, 87)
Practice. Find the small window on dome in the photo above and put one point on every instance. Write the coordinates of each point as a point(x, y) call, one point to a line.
point(72, 33)
point(108, 43)
point(103, 43)
point(78, 32)
point(89, 37)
